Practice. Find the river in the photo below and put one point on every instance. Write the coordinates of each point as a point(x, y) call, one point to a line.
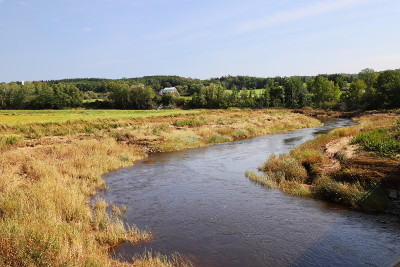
point(199, 203)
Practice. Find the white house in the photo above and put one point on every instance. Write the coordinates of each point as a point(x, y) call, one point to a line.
point(168, 90)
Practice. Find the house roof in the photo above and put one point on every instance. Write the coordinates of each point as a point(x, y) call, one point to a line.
point(169, 89)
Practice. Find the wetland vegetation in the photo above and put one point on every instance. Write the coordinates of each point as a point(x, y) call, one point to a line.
point(51, 161)
point(356, 166)
point(51, 164)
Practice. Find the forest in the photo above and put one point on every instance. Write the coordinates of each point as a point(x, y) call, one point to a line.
point(366, 90)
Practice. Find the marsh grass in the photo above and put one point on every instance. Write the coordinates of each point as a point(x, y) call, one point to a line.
point(219, 138)
point(51, 165)
point(345, 193)
point(149, 259)
point(296, 173)
point(383, 142)
point(188, 122)
point(9, 140)
point(260, 179)
point(284, 167)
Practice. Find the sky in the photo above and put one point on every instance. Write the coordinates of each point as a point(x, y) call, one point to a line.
point(57, 39)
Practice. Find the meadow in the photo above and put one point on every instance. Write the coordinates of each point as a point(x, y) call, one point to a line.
point(12, 117)
point(51, 166)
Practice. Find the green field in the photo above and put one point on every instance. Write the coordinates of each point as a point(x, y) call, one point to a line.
point(12, 117)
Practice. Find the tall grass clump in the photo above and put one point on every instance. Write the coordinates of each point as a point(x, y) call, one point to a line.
point(260, 179)
point(348, 194)
point(189, 123)
point(6, 141)
point(219, 138)
point(284, 167)
point(149, 259)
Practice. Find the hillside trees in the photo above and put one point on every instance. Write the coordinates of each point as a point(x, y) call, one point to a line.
point(124, 96)
point(296, 94)
point(325, 94)
point(39, 95)
point(354, 96)
point(388, 89)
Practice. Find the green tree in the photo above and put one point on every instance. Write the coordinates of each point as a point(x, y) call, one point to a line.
point(119, 95)
point(295, 92)
point(354, 96)
point(66, 96)
point(325, 93)
point(277, 94)
point(388, 89)
point(43, 96)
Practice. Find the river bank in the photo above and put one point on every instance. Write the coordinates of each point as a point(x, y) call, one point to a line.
point(50, 170)
point(197, 202)
point(356, 166)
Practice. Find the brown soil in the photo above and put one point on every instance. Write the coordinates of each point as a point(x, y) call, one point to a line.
point(347, 160)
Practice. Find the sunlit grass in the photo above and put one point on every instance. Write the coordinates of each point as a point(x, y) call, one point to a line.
point(51, 164)
point(12, 117)
point(380, 141)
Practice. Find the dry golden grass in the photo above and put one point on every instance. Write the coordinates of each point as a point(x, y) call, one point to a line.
point(50, 171)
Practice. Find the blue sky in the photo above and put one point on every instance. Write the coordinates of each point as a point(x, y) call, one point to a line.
point(51, 39)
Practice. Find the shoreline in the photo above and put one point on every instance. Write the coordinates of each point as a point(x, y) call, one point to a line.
point(333, 168)
point(54, 176)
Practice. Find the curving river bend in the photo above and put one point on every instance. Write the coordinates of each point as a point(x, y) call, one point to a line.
point(199, 203)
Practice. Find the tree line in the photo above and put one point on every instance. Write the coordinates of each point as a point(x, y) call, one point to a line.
point(366, 90)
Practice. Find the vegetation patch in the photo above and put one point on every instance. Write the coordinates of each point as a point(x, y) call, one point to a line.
point(189, 123)
point(52, 167)
point(285, 167)
point(309, 169)
point(219, 138)
point(381, 141)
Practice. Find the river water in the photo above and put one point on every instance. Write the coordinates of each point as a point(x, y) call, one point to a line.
point(199, 203)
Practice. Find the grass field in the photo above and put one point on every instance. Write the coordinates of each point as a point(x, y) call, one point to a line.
point(12, 117)
point(51, 165)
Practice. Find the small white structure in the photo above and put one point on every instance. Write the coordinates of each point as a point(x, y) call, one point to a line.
point(168, 90)
point(23, 82)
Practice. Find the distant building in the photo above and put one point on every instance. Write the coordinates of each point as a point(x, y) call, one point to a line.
point(23, 82)
point(168, 90)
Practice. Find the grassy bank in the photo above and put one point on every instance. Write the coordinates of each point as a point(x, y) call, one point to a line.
point(51, 167)
point(352, 166)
